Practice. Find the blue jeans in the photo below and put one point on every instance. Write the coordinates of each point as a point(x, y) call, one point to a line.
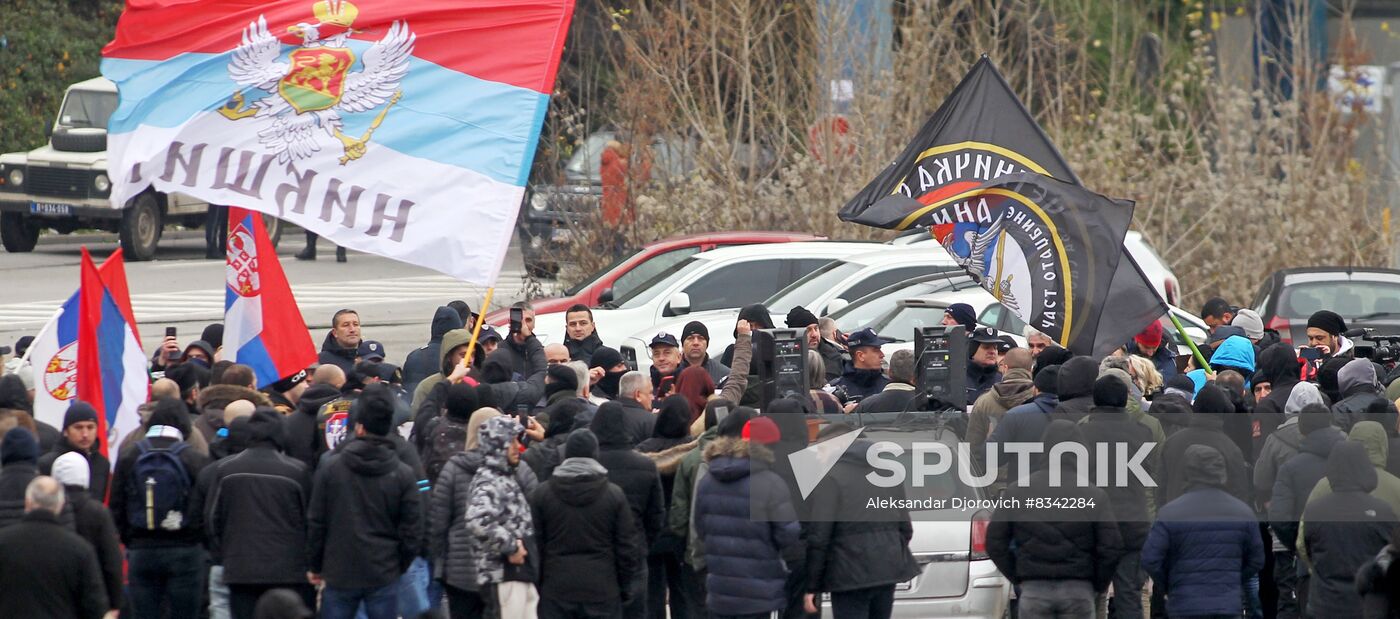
point(172, 574)
point(379, 603)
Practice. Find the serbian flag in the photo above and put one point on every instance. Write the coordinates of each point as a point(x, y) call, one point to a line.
point(405, 129)
point(263, 329)
point(91, 350)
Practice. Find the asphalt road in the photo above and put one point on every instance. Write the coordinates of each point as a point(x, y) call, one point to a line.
point(182, 289)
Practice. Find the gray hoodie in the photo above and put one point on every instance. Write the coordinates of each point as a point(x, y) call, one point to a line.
point(1285, 442)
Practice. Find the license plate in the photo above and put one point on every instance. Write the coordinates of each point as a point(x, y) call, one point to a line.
point(560, 236)
point(50, 208)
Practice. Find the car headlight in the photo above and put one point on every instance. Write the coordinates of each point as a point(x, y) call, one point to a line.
point(16, 177)
point(101, 183)
point(538, 203)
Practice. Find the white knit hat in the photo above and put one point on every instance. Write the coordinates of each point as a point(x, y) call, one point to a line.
point(71, 469)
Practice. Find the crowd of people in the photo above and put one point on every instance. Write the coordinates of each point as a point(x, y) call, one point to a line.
point(500, 477)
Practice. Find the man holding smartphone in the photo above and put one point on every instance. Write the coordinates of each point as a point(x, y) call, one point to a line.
point(1325, 329)
point(520, 339)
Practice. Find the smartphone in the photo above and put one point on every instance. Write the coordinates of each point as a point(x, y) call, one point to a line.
point(522, 414)
point(517, 316)
point(172, 355)
point(170, 332)
point(1310, 354)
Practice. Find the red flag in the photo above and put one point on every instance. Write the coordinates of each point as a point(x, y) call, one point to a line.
point(263, 329)
point(90, 293)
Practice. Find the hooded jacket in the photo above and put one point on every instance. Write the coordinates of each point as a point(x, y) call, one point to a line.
point(1205, 543)
point(1387, 487)
point(1296, 480)
point(1030, 543)
point(1279, 365)
point(1111, 426)
point(1234, 352)
point(365, 520)
point(745, 518)
point(1341, 531)
point(94, 524)
point(1164, 359)
point(450, 340)
point(1076, 389)
point(498, 516)
point(99, 468)
point(1023, 424)
point(1015, 389)
point(1378, 582)
point(1359, 387)
point(589, 543)
point(844, 554)
point(1285, 442)
point(253, 507)
point(212, 401)
point(425, 361)
point(670, 441)
point(300, 434)
point(123, 483)
point(57, 571)
point(633, 472)
point(527, 390)
point(1207, 423)
point(333, 353)
point(449, 541)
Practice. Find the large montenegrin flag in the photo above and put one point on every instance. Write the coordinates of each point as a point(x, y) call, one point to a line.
point(92, 350)
point(263, 329)
point(405, 129)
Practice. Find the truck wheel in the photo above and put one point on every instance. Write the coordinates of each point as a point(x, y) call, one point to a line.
point(141, 227)
point(19, 236)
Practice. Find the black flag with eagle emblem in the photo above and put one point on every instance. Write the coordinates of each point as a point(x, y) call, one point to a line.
point(1088, 294)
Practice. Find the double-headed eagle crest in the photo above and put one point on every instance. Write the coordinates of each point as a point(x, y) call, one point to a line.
point(309, 90)
point(975, 262)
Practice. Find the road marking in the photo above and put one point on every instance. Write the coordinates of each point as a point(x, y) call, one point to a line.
point(208, 303)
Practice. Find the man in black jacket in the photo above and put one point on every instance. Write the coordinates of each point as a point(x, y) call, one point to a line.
point(164, 561)
point(423, 361)
point(982, 356)
point(253, 511)
point(866, 376)
point(365, 518)
point(46, 570)
point(299, 431)
point(93, 522)
point(899, 393)
point(342, 344)
point(590, 543)
point(1343, 530)
point(1076, 389)
point(1278, 365)
point(582, 339)
point(80, 435)
point(1359, 385)
point(641, 484)
point(19, 452)
point(518, 345)
point(635, 396)
point(1110, 425)
point(1206, 428)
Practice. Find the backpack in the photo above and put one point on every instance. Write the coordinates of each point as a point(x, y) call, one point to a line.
point(158, 488)
point(445, 438)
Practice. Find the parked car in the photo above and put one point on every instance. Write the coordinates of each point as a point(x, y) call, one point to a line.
point(996, 316)
point(1364, 297)
point(724, 278)
point(1153, 267)
point(622, 276)
point(822, 291)
point(957, 578)
point(551, 210)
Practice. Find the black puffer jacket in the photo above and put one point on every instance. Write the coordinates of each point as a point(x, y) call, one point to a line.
point(1296, 480)
point(589, 542)
point(299, 430)
point(1076, 389)
point(448, 538)
point(1206, 428)
point(365, 523)
point(845, 553)
point(1342, 531)
point(1039, 544)
point(1352, 407)
point(333, 353)
point(634, 473)
point(1111, 426)
point(1278, 364)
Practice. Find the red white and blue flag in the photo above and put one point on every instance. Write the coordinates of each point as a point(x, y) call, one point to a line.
point(92, 350)
point(405, 129)
point(263, 329)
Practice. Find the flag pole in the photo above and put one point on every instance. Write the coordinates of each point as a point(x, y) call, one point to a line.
point(476, 330)
point(1195, 352)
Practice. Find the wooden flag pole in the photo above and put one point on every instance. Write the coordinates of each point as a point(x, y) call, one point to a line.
point(1195, 352)
point(476, 330)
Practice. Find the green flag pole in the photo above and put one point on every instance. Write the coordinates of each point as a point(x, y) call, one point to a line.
point(1195, 352)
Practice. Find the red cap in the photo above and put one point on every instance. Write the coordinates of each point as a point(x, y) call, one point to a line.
point(1150, 337)
point(761, 430)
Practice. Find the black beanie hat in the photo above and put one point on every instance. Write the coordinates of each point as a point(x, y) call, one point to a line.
point(1328, 321)
point(214, 335)
point(800, 318)
point(264, 426)
point(1047, 379)
point(461, 402)
point(1052, 355)
point(695, 327)
point(79, 411)
point(582, 443)
point(562, 374)
point(1313, 417)
point(604, 357)
point(19, 446)
point(1110, 391)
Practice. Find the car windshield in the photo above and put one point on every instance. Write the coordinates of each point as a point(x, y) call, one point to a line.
point(86, 109)
point(658, 284)
point(805, 291)
point(863, 311)
point(592, 279)
point(1352, 299)
point(899, 325)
